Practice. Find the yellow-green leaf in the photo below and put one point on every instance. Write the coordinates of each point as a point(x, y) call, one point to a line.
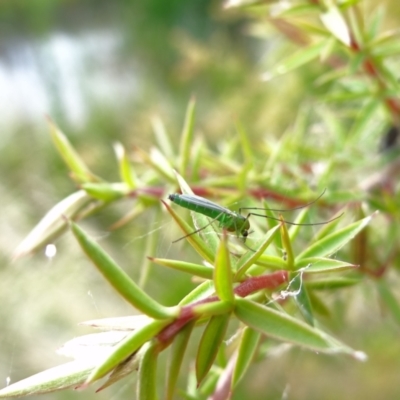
point(194, 269)
point(212, 338)
point(53, 223)
point(286, 328)
point(71, 158)
point(119, 279)
point(247, 348)
point(223, 272)
point(177, 352)
point(147, 376)
point(187, 137)
point(126, 348)
point(334, 241)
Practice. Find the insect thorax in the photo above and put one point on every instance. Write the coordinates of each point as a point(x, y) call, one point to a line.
point(236, 223)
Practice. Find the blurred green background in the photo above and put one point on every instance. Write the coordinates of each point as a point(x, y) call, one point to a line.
point(102, 70)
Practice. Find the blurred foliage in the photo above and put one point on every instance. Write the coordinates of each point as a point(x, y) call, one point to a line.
point(330, 95)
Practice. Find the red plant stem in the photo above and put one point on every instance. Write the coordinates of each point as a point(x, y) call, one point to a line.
point(258, 193)
point(249, 286)
point(372, 70)
point(270, 281)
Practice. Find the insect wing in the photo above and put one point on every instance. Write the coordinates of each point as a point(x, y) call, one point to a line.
point(200, 220)
point(201, 201)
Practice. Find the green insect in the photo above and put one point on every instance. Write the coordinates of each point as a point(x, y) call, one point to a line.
point(230, 220)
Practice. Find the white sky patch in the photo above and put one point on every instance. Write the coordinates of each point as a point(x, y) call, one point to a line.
point(66, 71)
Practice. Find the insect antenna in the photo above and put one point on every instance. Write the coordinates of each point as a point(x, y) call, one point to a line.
point(294, 223)
point(287, 209)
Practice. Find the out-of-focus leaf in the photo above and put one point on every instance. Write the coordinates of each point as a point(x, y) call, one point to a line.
point(223, 272)
point(245, 144)
point(355, 20)
point(336, 24)
point(62, 377)
point(286, 328)
point(343, 96)
point(197, 158)
point(391, 77)
point(331, 283)
point(106, 191)
point(53, 223)
point(247, 348)
point(177, 352)
point(389, 299)
point(290, 29)
point(119, 279)
point(298, 59)
point(386, 46)
point(300, 9)
point(330, 48)
point(126, 348)
point(354, 67)
point(208, 385)
point(333, 75)
point(162, 138)
point(151, 244)
point(245, 3)
point(317, 265)
point(212, 338)
point(161, 163)
point(74, 162)
point(374, 25)
point(194, 269)
point(157, 162)
point(333, 242)
point(147, 377)
point(187, 137)
point(366, 116)
point(125, 169)
point(313, 29)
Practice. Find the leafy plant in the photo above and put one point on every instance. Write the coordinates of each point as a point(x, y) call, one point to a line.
point(236, 287)
point(269, 291)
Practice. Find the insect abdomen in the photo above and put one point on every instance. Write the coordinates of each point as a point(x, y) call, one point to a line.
point(193, 206)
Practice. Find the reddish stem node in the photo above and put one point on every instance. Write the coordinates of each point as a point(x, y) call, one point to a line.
point(249, 286)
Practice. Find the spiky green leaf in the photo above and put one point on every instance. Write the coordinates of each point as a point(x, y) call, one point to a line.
point(212, 338)
point(286, 328)
point(334, 241)
point(119, 279)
